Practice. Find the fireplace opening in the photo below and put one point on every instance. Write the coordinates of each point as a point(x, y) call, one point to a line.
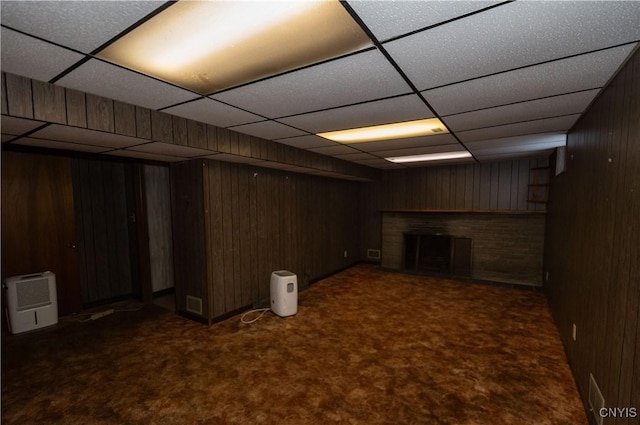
point(437, 254)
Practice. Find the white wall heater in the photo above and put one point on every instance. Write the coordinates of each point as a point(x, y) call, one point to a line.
point(31, 301)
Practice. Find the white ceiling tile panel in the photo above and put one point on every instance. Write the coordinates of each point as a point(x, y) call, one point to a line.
point(513, 149)
point(268, 130)
point(563, 76)
point(87, 137)
point(306, 142)
point(81, 25)
point(413, 142)
point(387, 19)
point(18, 126)
point(171, 150)
point(404, 108)
point(380, 163)
point(530, 127)
point(573, 103)
point(334, 150)
point(556, 139)
point(513, 35)
point(458, 161)
point(356, 78)
point(104, 79)
point(355, 156)
point(146, 155)
point(423, 150)
point(531, 154)
point(53, 144)
point(213, 112)
point(22, 55)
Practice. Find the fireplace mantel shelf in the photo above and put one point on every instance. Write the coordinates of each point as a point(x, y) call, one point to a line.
point(463, 211)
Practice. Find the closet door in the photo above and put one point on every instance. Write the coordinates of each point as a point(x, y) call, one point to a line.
point(38, 224)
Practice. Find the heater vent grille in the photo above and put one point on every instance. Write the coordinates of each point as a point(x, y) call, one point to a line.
point(194, 305)
point(373, 254)
point(596, 400)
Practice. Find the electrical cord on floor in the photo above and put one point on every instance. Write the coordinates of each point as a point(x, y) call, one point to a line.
point(263, 310)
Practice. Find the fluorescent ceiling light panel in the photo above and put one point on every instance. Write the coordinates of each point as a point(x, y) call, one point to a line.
point(207, 46)
point(398, 130)
point(430, 157)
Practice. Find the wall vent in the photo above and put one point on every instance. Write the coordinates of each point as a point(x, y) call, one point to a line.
point(194, 305)
point(373, 254)
point(596, 401)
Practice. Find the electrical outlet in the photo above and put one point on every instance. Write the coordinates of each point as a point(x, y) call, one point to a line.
point(546, 276)
point(345, 253)
point(574, 332)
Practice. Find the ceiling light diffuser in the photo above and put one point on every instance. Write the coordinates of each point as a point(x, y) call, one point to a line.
point(206, 46)
point(399, 130)
point(430, 157)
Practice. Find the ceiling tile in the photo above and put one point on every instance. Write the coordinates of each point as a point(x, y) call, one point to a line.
point(81, 25)
point(517, 145)
point(403, 108)
point(413, 142)
point(518, 129)
point(86, 137)
point(457, 161)
point(555, 139)
point(268, 130)
point(352, 79)
point(171, 150)
point(380, 163)
point(356, 156)
point(531, 154)
point(145, 155)
point(334, 150)
point(306, 142)
point(567, 104)
point(22, 55)
point(53, 144)
point(563, 76)
point(18, 126)
point(388, 19)
point(513, 35)
point(123, 85)
point(419, 151)
point(213, 112)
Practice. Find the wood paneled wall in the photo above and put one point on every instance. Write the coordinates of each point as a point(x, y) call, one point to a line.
point(32, 99)
point(593, 244)
point(102, 212)
point(252, 222)
point(38, 228)
point(489, 186)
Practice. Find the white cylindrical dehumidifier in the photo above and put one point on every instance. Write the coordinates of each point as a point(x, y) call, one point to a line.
point(284, 293)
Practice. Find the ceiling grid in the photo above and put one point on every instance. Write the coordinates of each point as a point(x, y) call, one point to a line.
point(507, 79)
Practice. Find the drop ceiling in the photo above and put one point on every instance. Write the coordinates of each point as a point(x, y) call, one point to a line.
point(508, 79)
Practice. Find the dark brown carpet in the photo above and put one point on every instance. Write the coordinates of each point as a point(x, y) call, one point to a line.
point(366, 347)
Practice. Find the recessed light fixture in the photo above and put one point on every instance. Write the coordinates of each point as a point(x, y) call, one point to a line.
point(430, 157)
point(206, 46)
point(398, 130)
